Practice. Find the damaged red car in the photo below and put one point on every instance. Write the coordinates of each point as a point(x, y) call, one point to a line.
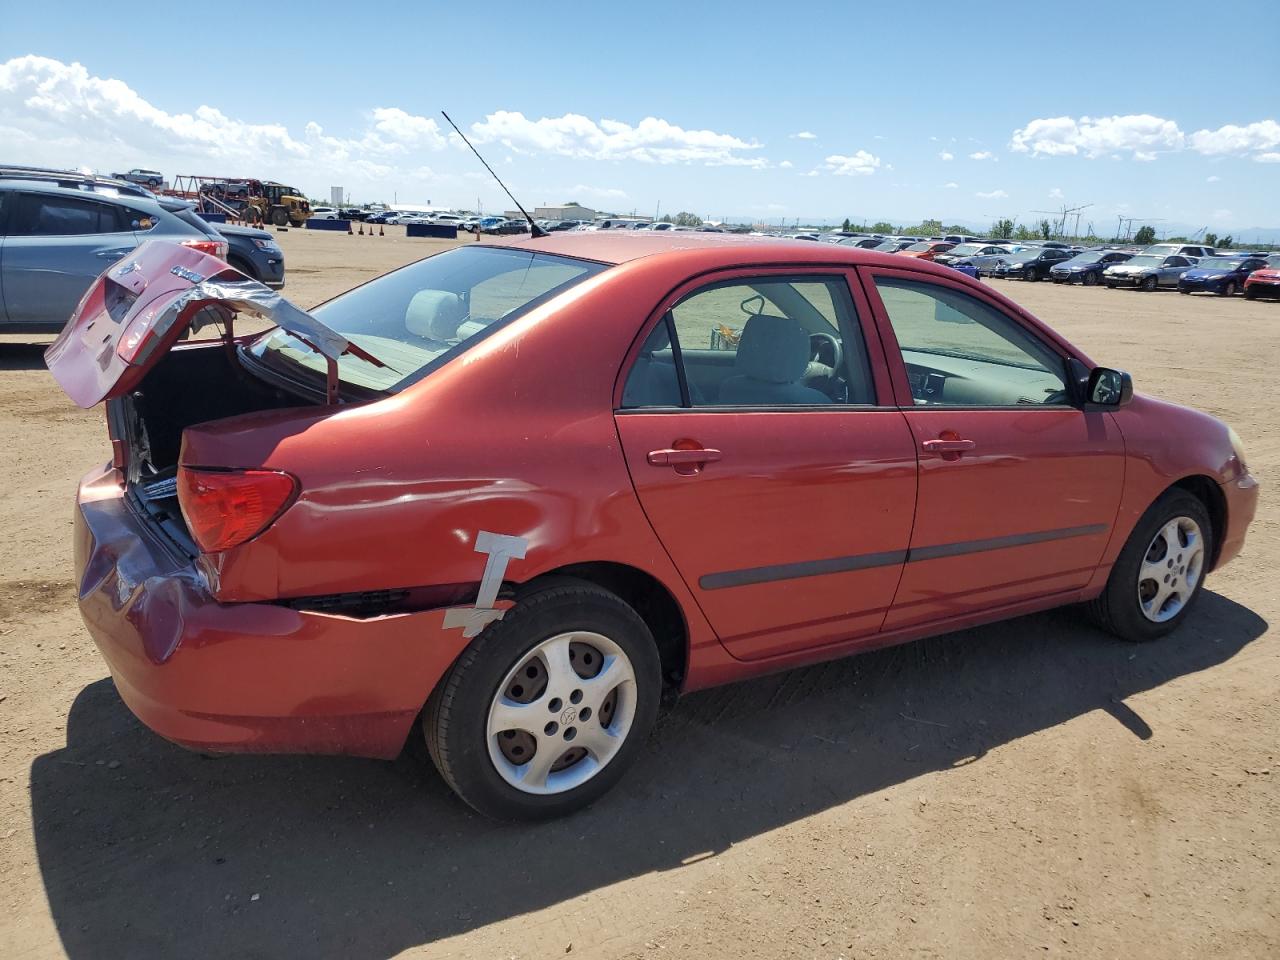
point(511, 494)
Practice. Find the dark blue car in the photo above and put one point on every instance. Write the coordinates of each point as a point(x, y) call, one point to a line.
point(1086, 268)
point(1221, 275)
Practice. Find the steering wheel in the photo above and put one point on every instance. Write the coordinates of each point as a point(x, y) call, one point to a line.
point(824, 348)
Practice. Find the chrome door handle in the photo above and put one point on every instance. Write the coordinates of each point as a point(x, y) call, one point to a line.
point(947, 446)
point(679, 458)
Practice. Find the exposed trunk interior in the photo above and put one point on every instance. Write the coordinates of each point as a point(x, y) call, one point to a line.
point(189, 386)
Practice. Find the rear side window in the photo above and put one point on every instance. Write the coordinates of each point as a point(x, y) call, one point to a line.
point(767, 341)
point(38, 215)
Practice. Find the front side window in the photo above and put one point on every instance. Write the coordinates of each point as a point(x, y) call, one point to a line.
point(424, 314)
point(766, 341)
point(959, 351)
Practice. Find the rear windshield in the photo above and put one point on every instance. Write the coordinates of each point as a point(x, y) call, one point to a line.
point(424, 314)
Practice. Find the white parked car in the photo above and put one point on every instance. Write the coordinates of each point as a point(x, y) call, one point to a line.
point(325, 213)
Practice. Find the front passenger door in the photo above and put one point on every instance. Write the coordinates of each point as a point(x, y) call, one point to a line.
point(1018, 488)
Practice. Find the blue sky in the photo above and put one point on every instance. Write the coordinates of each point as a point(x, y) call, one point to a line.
point(779, 110)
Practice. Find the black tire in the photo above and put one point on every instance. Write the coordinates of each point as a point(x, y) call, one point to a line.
point(1117, 609)
point(1090, 279)
point(457, 713)
point(1111, 286)
point(280, 218)
point(1149, 284)
point(244, 266)
point(1030, 275)
point(1184, 291)
point(1250, 294)
point(1228, 289)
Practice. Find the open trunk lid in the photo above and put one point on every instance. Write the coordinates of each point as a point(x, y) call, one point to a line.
point(138, 309)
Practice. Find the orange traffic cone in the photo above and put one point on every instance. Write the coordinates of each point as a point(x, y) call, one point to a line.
point(380, 231)
point(362, 229)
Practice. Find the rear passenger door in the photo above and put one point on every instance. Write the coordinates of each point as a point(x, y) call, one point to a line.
point(56, 246)
point(758, 426)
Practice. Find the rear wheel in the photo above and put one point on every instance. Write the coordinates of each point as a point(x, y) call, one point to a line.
point(1149, 284)
point(1111, 286)
point(1228, 289)
point(1160, 571)
point(547, 708)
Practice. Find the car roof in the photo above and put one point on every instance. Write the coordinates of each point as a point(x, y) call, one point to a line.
point(622, 246)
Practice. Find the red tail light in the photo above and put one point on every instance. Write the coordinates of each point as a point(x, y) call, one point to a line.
point(224, 508)
point(214, 248)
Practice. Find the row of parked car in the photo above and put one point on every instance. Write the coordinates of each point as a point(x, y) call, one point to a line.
point(59, 230)
point(1186, 267)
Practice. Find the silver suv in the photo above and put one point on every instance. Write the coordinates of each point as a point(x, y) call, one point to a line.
point(60, 230)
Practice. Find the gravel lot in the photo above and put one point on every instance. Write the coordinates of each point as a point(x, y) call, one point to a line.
point(1032, 788)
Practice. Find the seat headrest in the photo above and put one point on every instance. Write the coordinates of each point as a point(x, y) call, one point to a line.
point(435, 314)
point(773, 349)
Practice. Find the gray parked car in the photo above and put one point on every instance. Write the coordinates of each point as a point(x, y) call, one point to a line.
point(982, 256)
point(59, 231)
point(1148, 271)
point(254, 253)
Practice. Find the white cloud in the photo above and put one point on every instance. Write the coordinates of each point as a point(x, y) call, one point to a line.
point(1095, 136)
point(804, 135)
point(1268, 158)
point(944, 155)
point(1055, 193)
point(812, 173)
point(1221, 215)
point(982, 155)
point(950, 185)
point(66, 116)
point(652, 140)
point(1143, 156)
point(860, 163)
point(585, 190)
point(992, 195)
point(786, 165)
point(1263, 135)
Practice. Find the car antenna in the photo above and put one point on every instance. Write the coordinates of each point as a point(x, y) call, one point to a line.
point(534, 230)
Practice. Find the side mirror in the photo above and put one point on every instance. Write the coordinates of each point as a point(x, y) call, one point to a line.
point(1109, 388)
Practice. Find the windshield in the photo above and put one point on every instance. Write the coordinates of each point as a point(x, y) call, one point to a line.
point(1219, 263)
point(1146, 261)
point(416, 315)
point(1022, 256)
point(964, 250)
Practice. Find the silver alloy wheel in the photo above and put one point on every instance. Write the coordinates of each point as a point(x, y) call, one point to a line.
point(561, 713)
point(1171, 568)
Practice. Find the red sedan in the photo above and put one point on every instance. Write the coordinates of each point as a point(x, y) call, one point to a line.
point(926, 249)
point(1264, 282)
point(513, 492)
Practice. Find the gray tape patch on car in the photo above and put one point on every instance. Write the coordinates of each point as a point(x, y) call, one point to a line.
point(501, 549)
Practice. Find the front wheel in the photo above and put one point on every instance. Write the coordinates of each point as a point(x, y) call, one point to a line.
point(1160, 571)
point(279, 218)
point(548, 707)
point(1090, 280)
point(1149, 284)
point(1029, 274)
point(1228, 289)
point(1250, 294)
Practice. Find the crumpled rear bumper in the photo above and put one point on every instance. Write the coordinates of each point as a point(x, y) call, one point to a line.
point(251, 677)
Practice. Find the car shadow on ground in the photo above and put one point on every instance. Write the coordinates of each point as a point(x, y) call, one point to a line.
point(22, 356)
point(147, 850)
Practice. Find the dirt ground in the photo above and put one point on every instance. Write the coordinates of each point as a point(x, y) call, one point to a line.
point(1028, 789)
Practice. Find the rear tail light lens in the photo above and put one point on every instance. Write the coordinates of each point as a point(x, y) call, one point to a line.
point(225, 508)
point(214, 248)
